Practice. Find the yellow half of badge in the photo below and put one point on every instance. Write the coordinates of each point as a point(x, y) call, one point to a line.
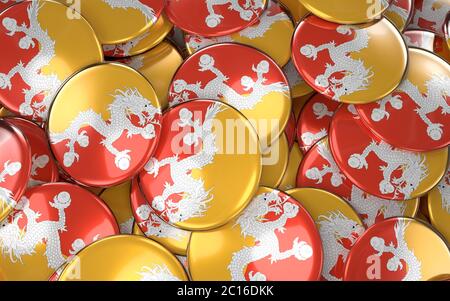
point(275, 162)
point(436, 163)
point(296, 9)
point(290, 176)
point(124, 258)
point(118, 200)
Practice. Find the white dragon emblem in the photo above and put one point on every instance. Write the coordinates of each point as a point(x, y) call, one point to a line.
point(320, 111)
point(433, 11)
point(126, 227)
point(401, 252)
point(16, 243)
point(148, 12)
point(438, 90)
point(253, 223)
point(218, 88)
point(356, 76)
point(369, 206)
point(157, 273)
point(252, 32)
point(334, 229)
point(156, 226)
point(444, 189)
point(292, 75)
point(37, 162)
point(124, 49)
point(195, 197)
point(125, 103)
point(413, 168)
point(396, 9)
point(6, 195)
point(31, 73)
point(246, 11)
point(317, 174)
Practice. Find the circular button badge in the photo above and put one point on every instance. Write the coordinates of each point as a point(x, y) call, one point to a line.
point(347, 11)
point(253, 84)
point(275, 161)
point(104, 125)
point(348, 63)
point(43, 167)
point(428, 41)
point(419, 104)
point(430, 15)
point(214, 18)
point(252, 247)
point(118, 200)
point(142, 43)
point(124, 258)
point(438, 205)
point(40, 49)
point(338, 224)
point(50, 224)
point(377, 167)
point(314, 120)
point(158, 65)
point(116, 21)
point(152, 226)
point(398, 249)
point(15, 166)
point(399, 12)
point(202, 173)
point(289, 178)
point(319, 170)
point(274, 27)
point(297, 84)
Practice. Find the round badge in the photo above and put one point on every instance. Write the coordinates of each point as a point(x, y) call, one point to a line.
point(116, 21)
point(398, 249)
point(289, 178)
point(290, 130)
point(109, 260)
point(430, 15)
point(348, 63)
point(40, 49)
point(50, 223)
point(297, 84)
point(347, 11)
point(420, 104)
point(399, 13)
point(43, 167)
point(438, 202)
point(253, 84)
point(338, 224)
point(296, 9)
point(104, 125)
point(118, 200)
point(319, 170)
point(274, 27)
point(142, 43)
point(15, 166)
point(253, 248)
point(158, 65)
point(214, 18)
point(274, 162)
point(152, 226)
point(377, 167)
point(314, 121)
point(202, 173)
point(428, 41)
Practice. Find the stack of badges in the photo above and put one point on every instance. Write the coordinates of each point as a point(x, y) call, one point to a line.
point(226, 140)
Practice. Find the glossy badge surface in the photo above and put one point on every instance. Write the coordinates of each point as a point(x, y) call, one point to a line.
point(348, 63)
point(399, 13)
point(438, 205)
point(274, 238)
point(420, 104)
point(41, 47)
point(319, 170)
point(274, 27)
point(50, 224)
point(430, 15)
point(43, 166)
point(124, 258)
point(347, 11)
point(398, 249)
point(252, 83)
point(117, 198)
point(15, 166)
point(118, 21)
point(202, 173)
point(214, 18)
point(338, 224)
point(428, 41)
point(290, 175)
point(104, 125)
point(377, 167)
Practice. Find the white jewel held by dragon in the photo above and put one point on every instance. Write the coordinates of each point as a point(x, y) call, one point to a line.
point(246, 12)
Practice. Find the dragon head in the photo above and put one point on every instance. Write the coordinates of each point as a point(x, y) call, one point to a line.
point(134, 103)
point(345, 230)
point(352, 81)
point(413, 172)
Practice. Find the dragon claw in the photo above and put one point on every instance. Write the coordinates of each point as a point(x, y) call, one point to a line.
point(434, 131)
point(357, 161)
